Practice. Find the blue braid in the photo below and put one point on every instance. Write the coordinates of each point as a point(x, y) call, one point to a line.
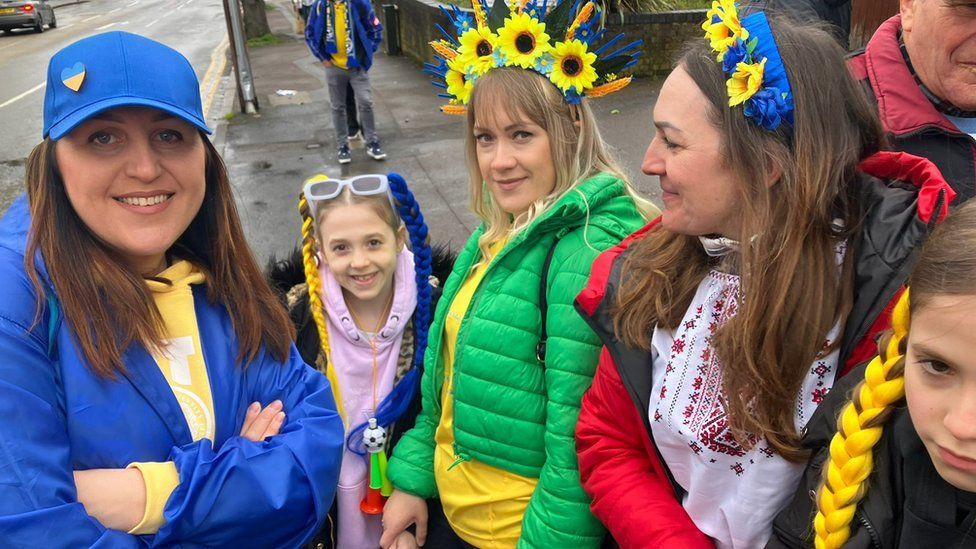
point(395, 404)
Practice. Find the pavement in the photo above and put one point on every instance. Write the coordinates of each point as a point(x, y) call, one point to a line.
point(270, 154)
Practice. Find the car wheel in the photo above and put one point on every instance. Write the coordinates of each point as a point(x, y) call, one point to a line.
point(39, 25)
point(54, 22)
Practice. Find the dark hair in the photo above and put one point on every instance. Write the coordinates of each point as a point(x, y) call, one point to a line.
point(792, 295)
point(112, 307)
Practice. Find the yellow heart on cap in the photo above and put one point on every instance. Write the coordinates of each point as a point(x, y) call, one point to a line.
point(73, 76)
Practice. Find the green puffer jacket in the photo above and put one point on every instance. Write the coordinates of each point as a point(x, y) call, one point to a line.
point(511, 412)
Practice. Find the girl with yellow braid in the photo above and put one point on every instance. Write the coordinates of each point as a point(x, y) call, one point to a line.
point(362, 299)
point(899, 467)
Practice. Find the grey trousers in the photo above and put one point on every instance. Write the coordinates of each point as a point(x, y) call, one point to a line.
point(337, 80)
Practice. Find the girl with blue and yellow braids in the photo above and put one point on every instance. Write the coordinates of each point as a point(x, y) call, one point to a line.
point(362, 314)
point(898, 467)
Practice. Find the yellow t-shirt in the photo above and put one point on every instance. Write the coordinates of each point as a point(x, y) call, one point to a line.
point(340, 59)
point(181, 363)
point(483, 504)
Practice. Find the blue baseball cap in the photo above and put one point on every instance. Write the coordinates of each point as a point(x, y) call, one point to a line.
point(116, 69)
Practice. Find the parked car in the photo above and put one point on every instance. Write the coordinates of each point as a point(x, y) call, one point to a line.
point(29, 14)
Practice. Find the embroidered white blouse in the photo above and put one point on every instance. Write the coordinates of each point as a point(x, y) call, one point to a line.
point(732, 494)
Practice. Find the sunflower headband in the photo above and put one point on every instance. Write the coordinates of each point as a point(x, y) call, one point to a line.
point(554, 43)
point(751, 60)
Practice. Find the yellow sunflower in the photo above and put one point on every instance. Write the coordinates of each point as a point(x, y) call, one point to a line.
point(745, 82)
point(522, 40)
point(477, 45)
point(572, 66)
point(458, 84)
point(722, 26)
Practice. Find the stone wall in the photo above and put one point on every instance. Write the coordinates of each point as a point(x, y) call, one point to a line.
point(664, 34)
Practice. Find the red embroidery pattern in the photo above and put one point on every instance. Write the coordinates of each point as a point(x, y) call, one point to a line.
point(703, 409)
point(692, 400)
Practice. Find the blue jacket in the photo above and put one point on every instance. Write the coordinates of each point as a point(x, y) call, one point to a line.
point(58, 417)
point(367, 32)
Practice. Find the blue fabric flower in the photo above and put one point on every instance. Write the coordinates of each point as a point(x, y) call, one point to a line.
point(587, 31)
point(543, 64)
point(463, 22)
point(498, 58)
point(573, 97)
point(768, 108)
point(737, 53)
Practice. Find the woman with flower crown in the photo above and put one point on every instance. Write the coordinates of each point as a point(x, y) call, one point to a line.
point(508, 358)
point(783, 241)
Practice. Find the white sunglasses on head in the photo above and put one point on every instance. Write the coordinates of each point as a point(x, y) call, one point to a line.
point(320, 188)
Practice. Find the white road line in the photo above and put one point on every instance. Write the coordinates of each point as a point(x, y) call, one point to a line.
point(115, 10)
point(151, 23)
point(69, 25)
point(132, 4)
point(90, 18)
point(10, 45)
point(178, 8)
point(103, 27)
point(23, 95)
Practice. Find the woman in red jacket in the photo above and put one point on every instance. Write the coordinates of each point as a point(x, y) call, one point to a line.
point(716, 353)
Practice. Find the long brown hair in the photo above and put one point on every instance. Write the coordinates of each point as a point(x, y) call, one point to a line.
point(108, 304)
point(791, 294)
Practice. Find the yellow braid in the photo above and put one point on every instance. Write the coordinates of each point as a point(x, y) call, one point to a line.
point(457, 110)
point(315, 296)
point(858, 431)
point(443, 49)
point(582, 17)
point(609, 87)
point(480, 18)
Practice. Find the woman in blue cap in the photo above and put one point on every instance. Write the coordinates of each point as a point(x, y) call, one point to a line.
point(151, 393)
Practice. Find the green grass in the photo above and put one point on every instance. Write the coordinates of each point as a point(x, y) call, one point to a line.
point(230, 116)
point(264, 40)
point(269, 7)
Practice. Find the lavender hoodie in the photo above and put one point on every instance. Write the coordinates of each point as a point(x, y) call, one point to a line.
point(352, 359)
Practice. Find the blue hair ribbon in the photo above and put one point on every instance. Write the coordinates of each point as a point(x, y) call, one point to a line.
point(395, 404)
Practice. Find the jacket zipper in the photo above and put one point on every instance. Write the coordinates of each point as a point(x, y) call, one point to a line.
point(463, 336)
point(459, 344)
point(875, 539)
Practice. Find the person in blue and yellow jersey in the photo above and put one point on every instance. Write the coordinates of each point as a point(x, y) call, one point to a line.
point(151, 392)
point(344, 35)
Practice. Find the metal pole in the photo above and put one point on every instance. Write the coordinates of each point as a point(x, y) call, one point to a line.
point(233, 55)
point(242, 65)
